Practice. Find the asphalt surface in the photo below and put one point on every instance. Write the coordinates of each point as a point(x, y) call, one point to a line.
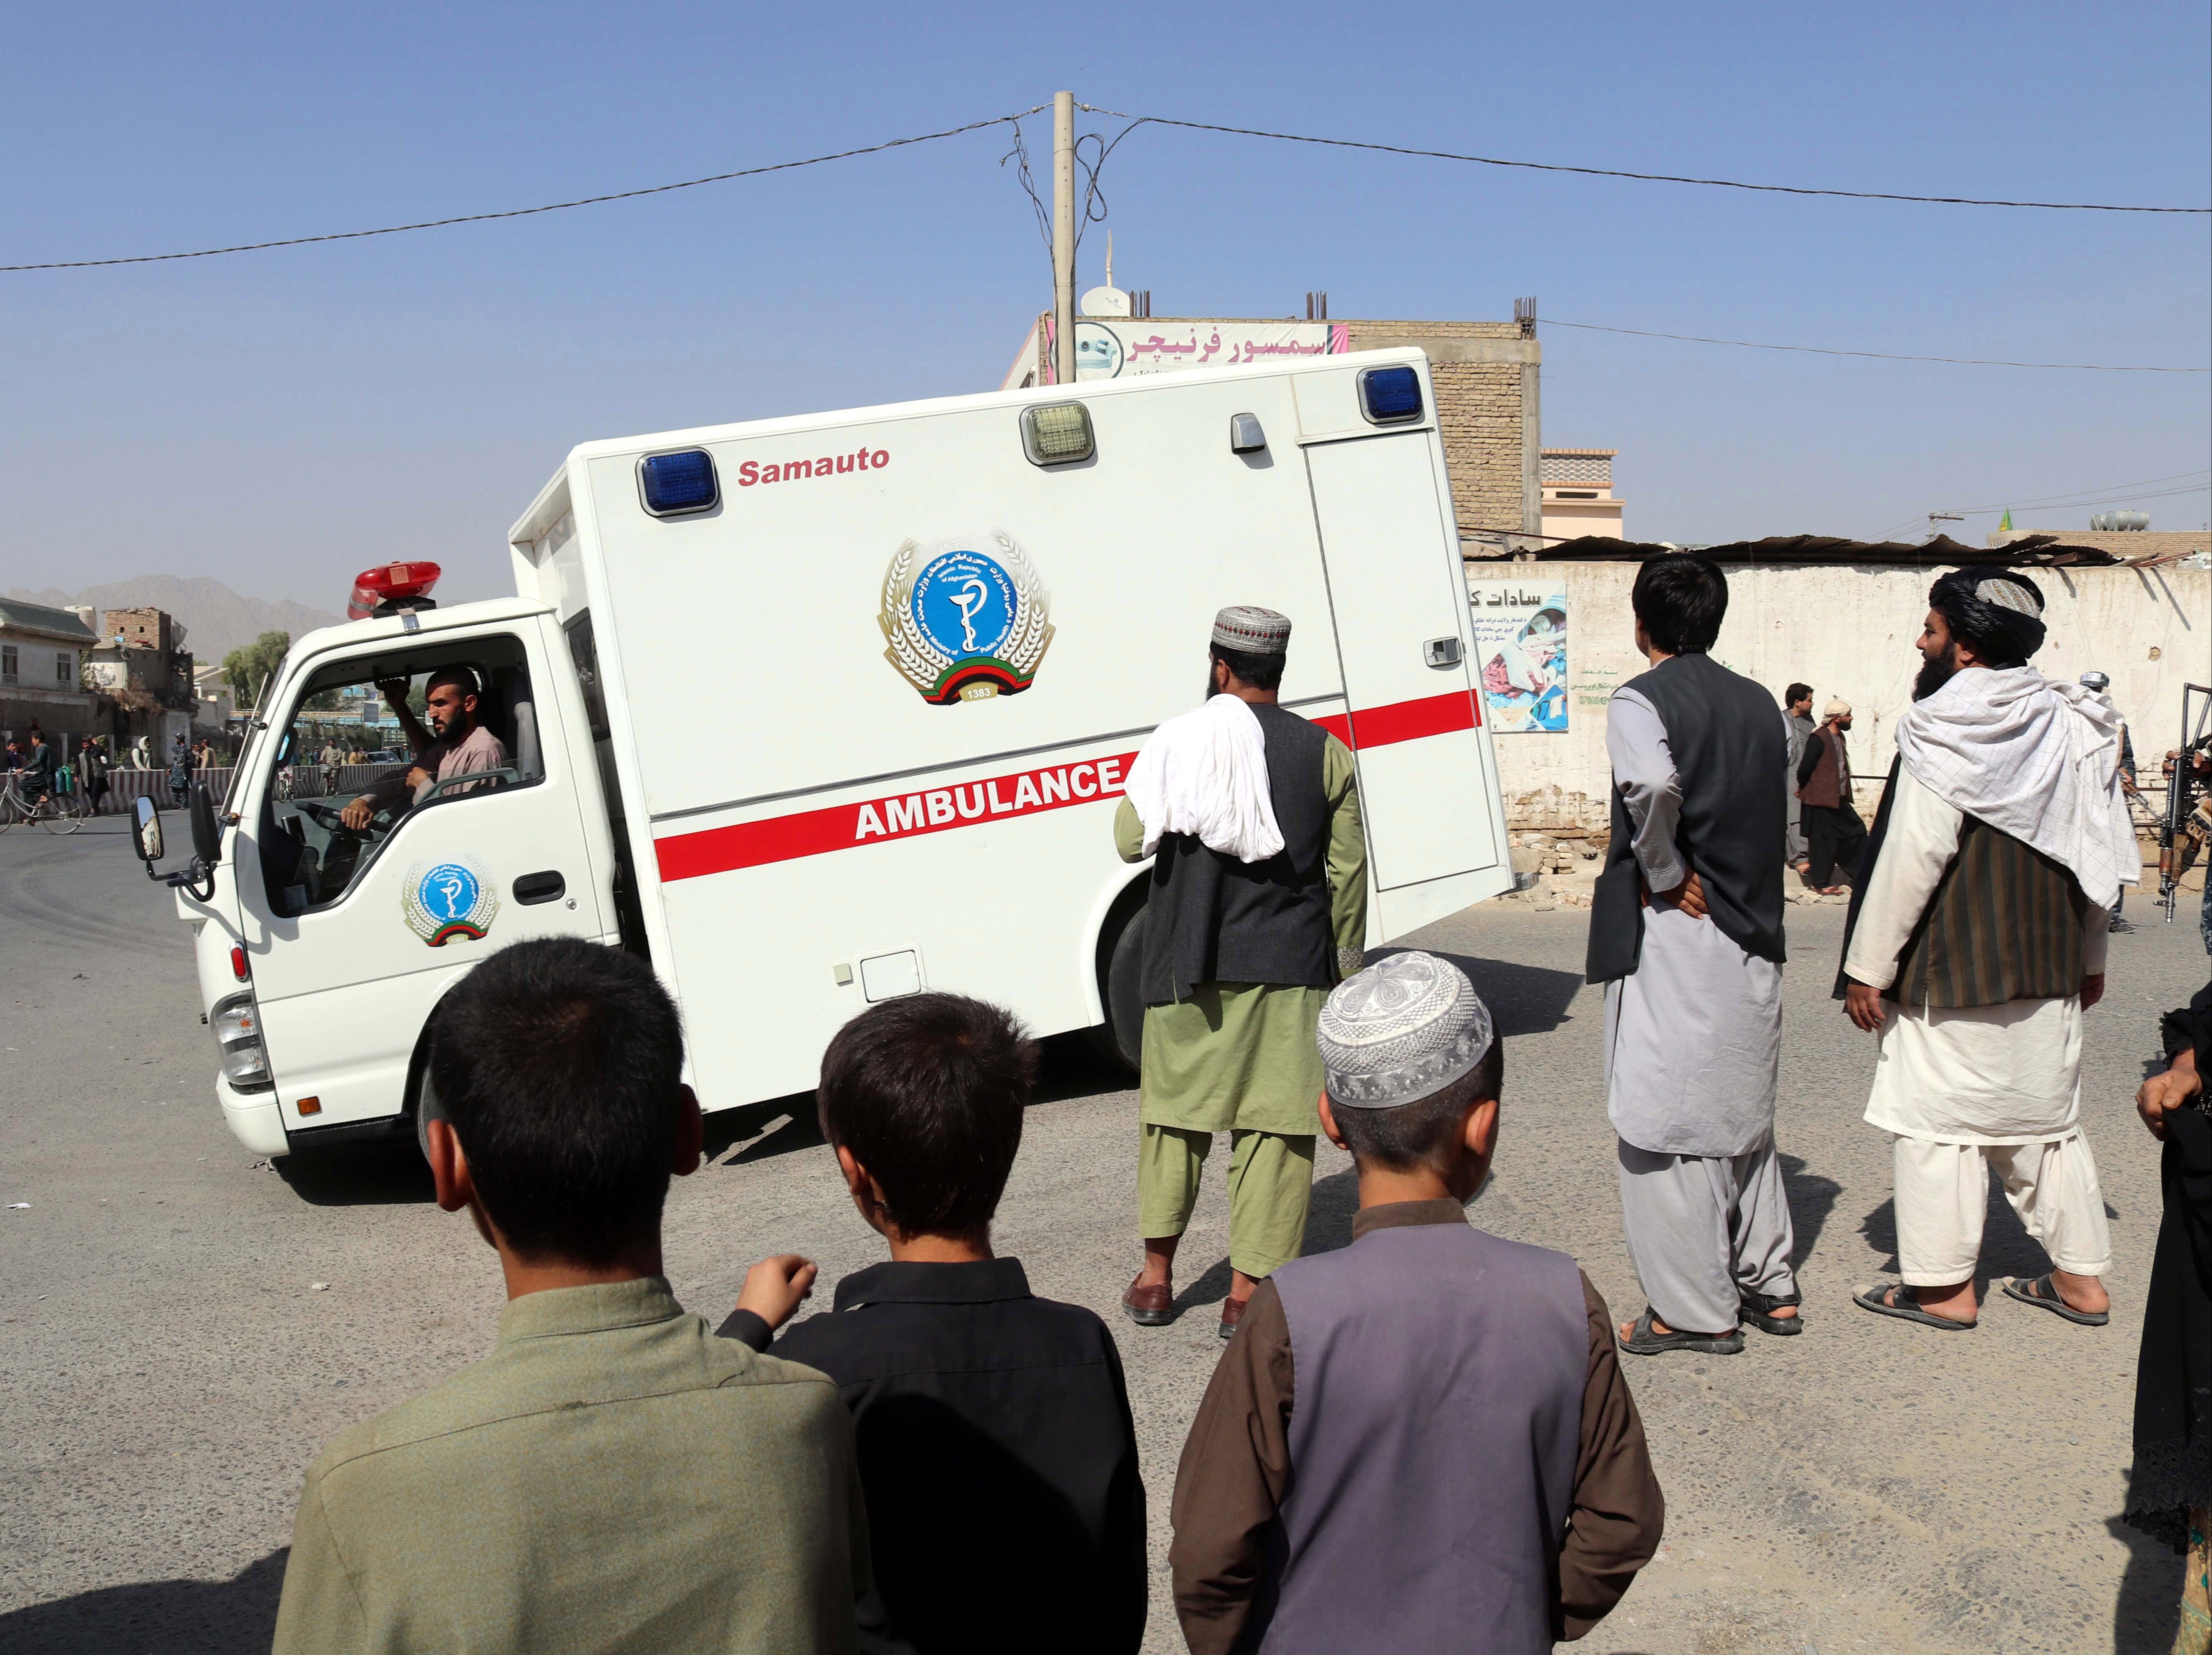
point(168, 1365)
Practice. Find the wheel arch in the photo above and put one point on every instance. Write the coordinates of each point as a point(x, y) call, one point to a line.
point(1117, 903)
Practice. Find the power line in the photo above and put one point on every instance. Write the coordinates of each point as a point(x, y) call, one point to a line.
point(2055, 506)
point(1878, 355)
point(1647, 177)
point(526, 212)
point(2077, 497)
point(2107, 500)
point(2104, 495)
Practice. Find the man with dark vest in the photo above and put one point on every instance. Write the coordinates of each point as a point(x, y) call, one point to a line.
point(1686, 934)
point(1421, 1443)
point(1257, 908)
point(1836, 836)
point(1976, 942)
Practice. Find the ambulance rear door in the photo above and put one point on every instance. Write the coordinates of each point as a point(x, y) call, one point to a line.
point(1428, 779)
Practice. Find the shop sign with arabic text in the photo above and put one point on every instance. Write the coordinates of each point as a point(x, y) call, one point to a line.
point(1119, 348)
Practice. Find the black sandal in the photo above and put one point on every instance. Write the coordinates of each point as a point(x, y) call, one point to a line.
point(1644, 1340)
point(2044, 1291)
point(1759, 1310)
point(1896, 1299)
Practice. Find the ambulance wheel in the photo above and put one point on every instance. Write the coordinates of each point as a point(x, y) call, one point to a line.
point(1121, 986)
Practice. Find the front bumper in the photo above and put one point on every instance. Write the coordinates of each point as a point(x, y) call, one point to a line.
point(254, 1119)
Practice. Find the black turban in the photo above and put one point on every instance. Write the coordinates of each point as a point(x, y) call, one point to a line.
point(1996, 612)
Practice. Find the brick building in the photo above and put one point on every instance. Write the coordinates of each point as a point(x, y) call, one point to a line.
point(143, 674)
point(1485, 375)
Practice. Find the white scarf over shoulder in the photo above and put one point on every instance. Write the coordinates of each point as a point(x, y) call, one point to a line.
point(2035, 759)
point(1205, 773)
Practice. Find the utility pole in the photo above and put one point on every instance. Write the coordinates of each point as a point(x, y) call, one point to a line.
point(1063, 237)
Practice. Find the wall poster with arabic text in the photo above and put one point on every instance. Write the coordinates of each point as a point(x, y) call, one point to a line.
point(1520, 652)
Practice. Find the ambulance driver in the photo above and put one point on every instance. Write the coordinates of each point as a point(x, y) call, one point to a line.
point(1258, 908)
point(454, 745)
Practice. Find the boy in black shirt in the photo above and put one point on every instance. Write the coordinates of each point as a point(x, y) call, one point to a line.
point(997, 1453)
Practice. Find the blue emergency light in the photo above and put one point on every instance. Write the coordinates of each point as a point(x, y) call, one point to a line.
point(1390, 396)
point(675, 485)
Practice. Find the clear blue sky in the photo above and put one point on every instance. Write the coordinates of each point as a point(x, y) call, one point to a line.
point(277, 420)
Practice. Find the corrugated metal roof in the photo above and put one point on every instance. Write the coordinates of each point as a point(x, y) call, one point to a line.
point(37, 617)
point(2036, 551)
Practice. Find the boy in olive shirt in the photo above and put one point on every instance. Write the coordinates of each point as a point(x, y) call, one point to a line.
point(612, 1475)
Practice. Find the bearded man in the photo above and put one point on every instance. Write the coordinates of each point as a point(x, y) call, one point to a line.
point(1257, 909)
point(1975, 942)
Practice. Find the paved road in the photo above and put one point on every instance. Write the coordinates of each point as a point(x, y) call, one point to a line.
point(167, 1368)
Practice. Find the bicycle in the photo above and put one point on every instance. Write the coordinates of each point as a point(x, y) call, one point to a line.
point(55, 811)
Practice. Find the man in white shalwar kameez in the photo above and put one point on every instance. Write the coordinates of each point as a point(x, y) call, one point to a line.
point(1976, 943)
point(1685, 933)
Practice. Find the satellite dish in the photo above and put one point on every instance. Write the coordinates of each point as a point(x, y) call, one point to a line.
point(1105, 301)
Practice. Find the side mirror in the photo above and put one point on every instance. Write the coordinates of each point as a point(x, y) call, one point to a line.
point(146, 830)
point(207, 834)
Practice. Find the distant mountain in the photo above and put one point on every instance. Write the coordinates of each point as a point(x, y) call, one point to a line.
point(217, 620)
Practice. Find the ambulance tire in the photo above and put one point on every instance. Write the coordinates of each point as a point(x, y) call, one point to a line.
point(1121, 986)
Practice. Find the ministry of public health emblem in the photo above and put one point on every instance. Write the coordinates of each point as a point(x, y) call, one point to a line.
point(966, 619)
point(446, 900)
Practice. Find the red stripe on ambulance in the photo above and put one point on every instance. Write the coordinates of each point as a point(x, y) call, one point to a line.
point(1020, 793)
point(907, 816)
point(1405, 721)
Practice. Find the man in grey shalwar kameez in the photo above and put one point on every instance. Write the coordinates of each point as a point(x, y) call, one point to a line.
point(1685, 933)
point(1797, 720)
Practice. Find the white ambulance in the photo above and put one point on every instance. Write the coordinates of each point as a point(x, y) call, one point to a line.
point(817, 711)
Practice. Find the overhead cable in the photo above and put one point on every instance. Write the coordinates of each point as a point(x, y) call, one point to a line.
point(1647, 178)
point(2080, 496)
point(2109, 494)
point(526, 212)
point(1879, 355)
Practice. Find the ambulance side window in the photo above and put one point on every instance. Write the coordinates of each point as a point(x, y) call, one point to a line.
point(362, 747)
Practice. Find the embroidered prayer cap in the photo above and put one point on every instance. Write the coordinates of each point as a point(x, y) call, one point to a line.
point(2093, 679)
point(1255, 631)
point(1402, 1030)
point(1837, 710)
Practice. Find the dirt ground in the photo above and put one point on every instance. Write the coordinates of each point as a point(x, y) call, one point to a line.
point(169, 1367)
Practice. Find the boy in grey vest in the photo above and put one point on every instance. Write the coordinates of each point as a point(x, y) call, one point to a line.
point(1423, 1442)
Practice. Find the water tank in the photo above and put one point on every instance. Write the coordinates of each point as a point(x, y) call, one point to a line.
point(2107, 522)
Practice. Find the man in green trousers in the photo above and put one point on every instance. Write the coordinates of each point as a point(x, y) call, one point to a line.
point(1258, 908)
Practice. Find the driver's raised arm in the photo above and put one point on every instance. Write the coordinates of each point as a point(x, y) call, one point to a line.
point(395, 697)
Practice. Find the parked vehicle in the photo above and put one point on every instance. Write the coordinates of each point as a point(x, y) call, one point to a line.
point(936, 634)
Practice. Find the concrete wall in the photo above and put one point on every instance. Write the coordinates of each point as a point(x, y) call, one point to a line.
point(1848, 632)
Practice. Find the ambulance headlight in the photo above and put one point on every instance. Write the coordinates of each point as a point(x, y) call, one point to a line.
point(677, 485)
point(1390, 396)
point(1057, 435)
point(237, 1025)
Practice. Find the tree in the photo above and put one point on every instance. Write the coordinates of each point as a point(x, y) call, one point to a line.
point(247, 668)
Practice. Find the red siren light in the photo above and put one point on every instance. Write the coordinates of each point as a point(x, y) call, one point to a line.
point(390, 583)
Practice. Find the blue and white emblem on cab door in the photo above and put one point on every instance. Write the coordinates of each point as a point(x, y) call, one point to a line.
point(966, 619)
point(449, 899)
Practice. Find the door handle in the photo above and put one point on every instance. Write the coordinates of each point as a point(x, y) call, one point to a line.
point(1441, 651)
point(540, 888)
